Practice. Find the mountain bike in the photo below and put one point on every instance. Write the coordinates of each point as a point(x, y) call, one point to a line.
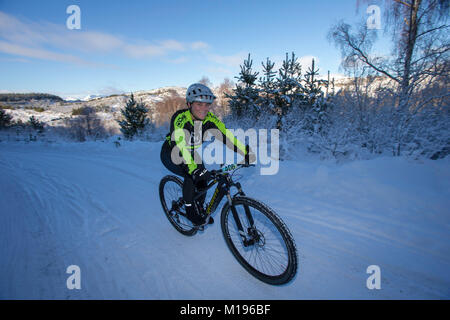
point(254, 233)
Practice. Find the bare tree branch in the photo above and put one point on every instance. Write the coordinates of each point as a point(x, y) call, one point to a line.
point(404, 3)
point(431, 30)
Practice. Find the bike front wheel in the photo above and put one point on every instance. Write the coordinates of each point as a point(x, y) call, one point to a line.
point(265, 248)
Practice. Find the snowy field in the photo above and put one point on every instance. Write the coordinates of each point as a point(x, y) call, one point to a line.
point(97, 206)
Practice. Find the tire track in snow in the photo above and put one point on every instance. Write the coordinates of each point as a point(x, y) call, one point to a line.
point(106, 239)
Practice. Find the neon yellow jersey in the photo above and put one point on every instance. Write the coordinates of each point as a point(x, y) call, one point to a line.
point(182, 135)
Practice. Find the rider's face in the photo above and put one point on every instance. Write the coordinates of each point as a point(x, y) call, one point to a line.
point(200, 109)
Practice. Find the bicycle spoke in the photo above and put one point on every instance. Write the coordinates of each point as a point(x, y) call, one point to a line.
point(172, 192)
point(272, 258)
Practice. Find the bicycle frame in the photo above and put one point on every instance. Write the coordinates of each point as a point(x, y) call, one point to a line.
point(224, 184)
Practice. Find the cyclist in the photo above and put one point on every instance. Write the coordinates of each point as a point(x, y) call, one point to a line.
point(182, 137)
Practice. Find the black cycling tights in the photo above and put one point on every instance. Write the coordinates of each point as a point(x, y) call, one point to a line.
point(188, 184)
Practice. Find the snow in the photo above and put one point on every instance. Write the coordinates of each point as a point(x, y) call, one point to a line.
point(47, 116)
point(97, 206)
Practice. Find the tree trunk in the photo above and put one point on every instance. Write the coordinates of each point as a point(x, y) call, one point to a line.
point(411, 29)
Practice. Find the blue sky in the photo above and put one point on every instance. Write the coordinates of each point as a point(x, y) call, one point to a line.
point(141, 45)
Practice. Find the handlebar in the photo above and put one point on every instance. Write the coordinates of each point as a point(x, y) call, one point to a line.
point(230, 167)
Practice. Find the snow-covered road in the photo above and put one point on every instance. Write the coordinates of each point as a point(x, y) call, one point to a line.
point(97, 206)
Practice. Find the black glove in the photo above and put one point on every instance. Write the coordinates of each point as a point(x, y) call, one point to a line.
point(201, 174)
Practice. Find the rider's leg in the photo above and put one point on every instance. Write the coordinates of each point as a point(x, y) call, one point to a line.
point(165, 155)
point(188, 184)
point(201, 186)
point(189, 194)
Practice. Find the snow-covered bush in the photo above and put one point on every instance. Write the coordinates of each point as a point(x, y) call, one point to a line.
point(85, 126)
point(5, 118)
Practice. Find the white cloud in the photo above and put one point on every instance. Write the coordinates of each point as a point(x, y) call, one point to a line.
point(173, 45)
point(231, 60)
point(178, 60)
point(306, 62)
point(17, 31)
point(141, 51)
point(15, 60)
point(199, 45)
point(19, 50)
point(86, 41)
point(150, 50)
point(31, 39)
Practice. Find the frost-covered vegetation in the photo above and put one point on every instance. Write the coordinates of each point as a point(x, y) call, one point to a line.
point(396, 105)
point(360, 121)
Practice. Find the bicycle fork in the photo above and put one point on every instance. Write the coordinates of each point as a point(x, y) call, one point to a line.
point(251, 231)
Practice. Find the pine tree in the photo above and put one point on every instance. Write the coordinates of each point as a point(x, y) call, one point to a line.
point(315, 100)
point(268, 86)
point(289, 89)
point(245, 98)
point(36, 124)
point(135, 119)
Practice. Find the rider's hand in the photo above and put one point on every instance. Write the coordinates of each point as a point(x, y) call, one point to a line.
point(201, 174)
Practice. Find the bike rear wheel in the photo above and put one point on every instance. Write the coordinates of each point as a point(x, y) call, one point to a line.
point(171, 196)
point(269, 253)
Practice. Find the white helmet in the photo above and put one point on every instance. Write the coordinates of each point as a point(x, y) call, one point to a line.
point(199, 92)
